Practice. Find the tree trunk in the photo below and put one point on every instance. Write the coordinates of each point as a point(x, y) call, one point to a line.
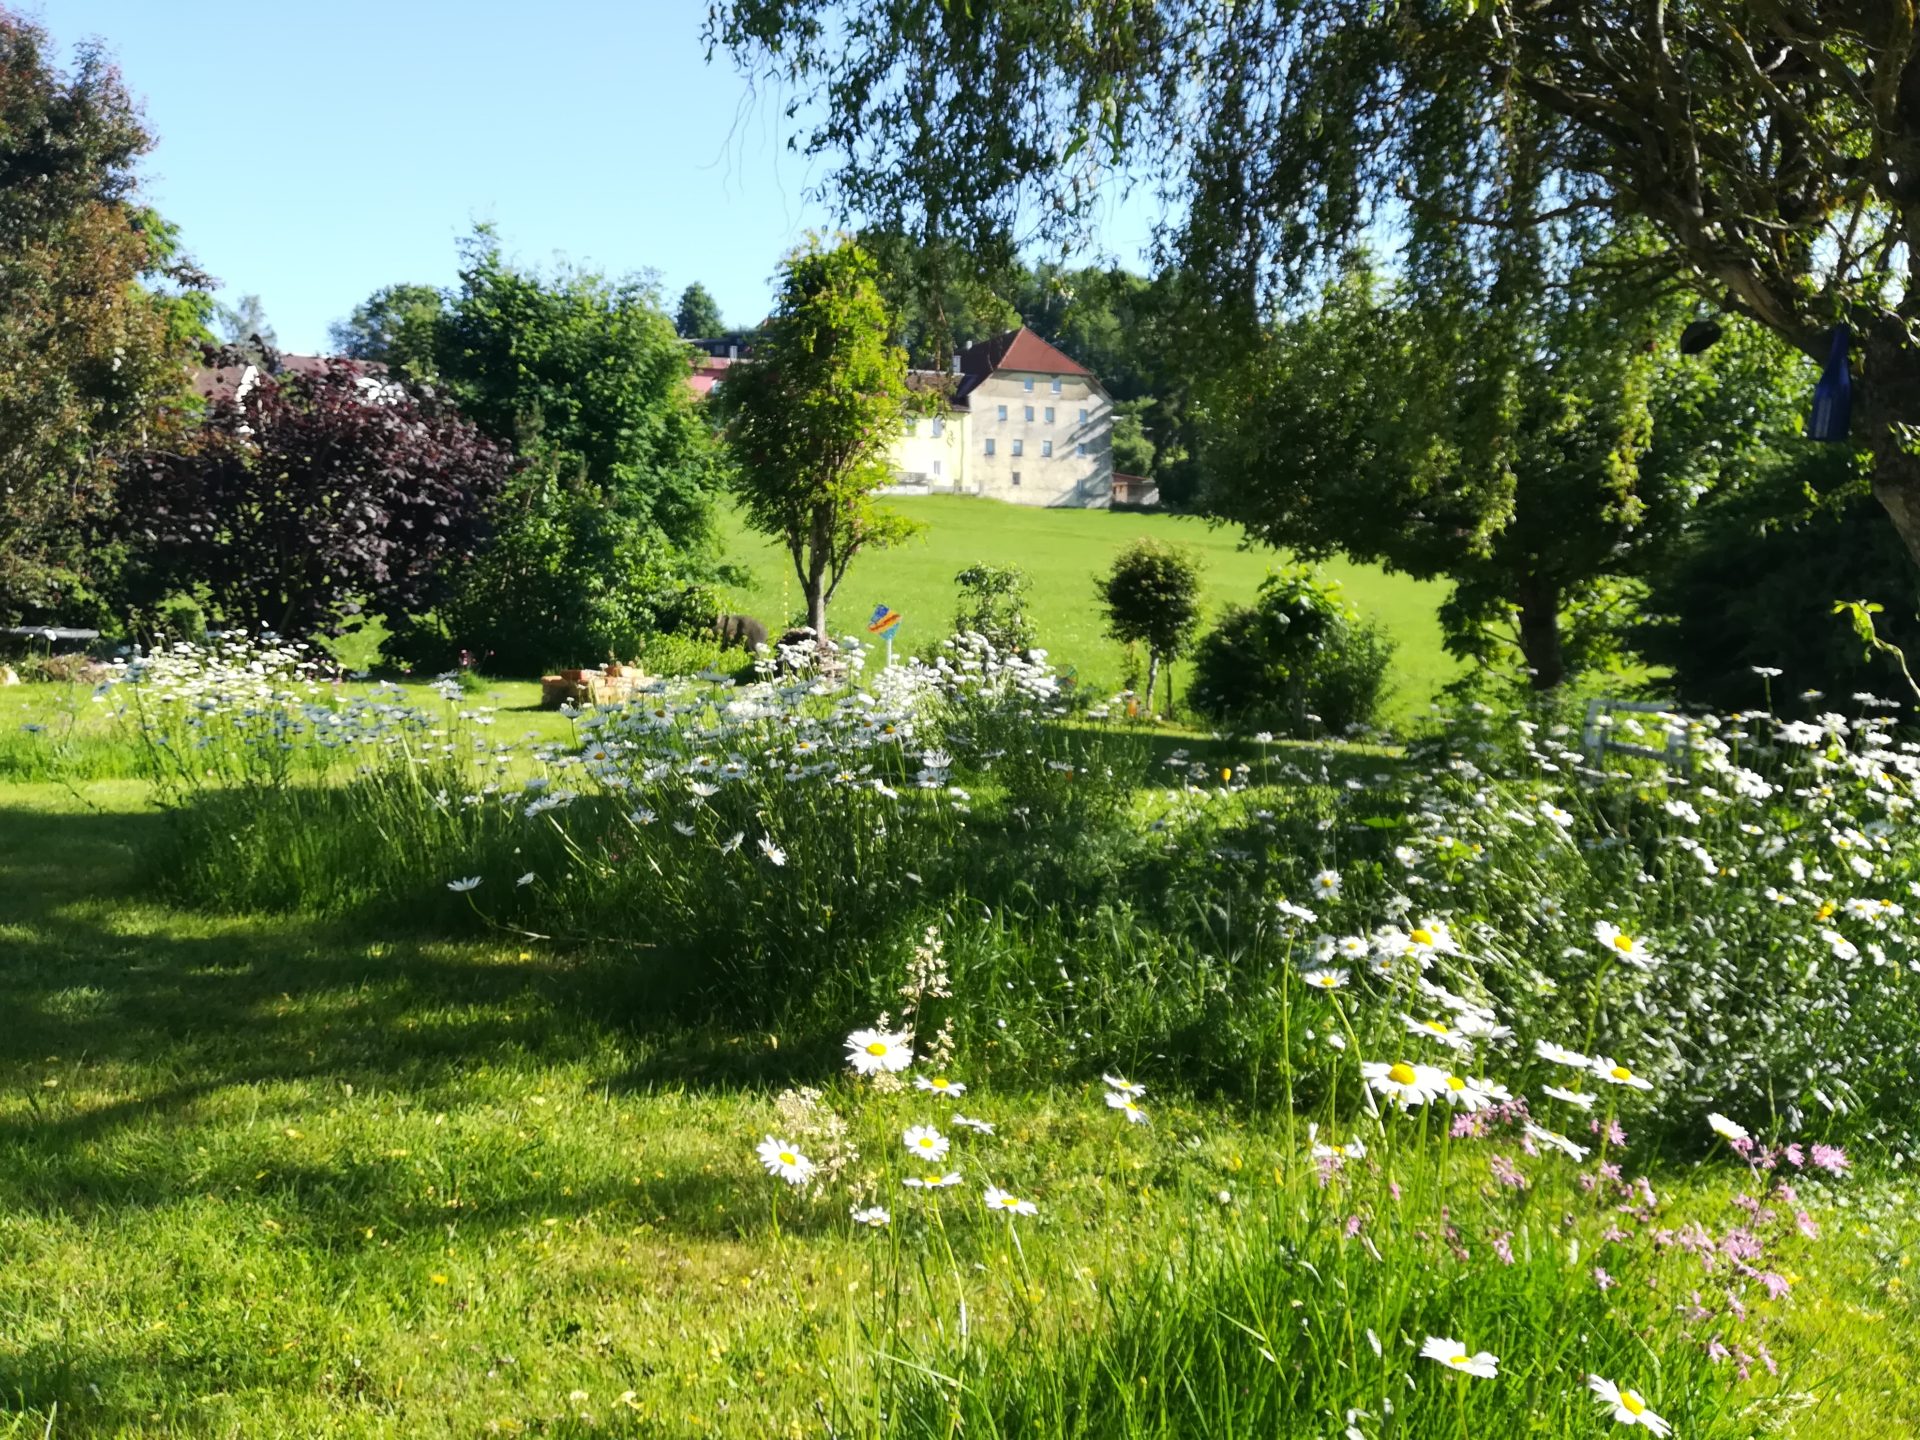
point(1540, 632)
point(1886, 400)
point(1153, 676)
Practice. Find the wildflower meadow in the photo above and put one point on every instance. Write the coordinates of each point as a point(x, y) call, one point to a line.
point(919, 1050)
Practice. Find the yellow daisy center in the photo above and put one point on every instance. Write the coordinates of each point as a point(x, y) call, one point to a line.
point(787, 1157)
point(1826, 911)
point(1436, 1027)
point(1620, 1072)
point(1632, 1403)
point(876, 1048)
point(1402, 1074)
point(1422, 936)
point(1454, 1082)
point(925, 1142)
point(1459, 1359)
point(1328, 981)
point(1623, 942)
point(939, 1082)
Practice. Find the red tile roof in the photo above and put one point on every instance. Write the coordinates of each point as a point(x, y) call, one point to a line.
point(1015, 350)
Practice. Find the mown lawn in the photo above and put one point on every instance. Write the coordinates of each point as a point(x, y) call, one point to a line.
point(1063, 551)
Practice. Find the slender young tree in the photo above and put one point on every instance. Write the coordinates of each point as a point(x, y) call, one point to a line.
point(1152, 598)
point(809, 417)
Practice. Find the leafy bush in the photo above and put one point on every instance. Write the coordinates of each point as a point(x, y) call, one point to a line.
point(993, 605)
point(1300, 661)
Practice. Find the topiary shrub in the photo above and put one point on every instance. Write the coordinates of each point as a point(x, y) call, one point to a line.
point(1299, 661)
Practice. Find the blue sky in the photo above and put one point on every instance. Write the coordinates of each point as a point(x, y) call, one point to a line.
point(314, 152)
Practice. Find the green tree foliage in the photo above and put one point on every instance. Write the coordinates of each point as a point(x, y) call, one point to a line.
point(1532, 456)
point(397, 326)
point(1299, 661)
point(1152, 599)
point(1770, 148)
point(605, 532)
point(93, 351)
point(810, 415)
point(1752, 584)
point(245, 328)
point(698, 317)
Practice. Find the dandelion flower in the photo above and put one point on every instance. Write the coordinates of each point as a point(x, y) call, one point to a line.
point(783, 1159)
point(871, 1051)
point(460, 887)
point(1612, 937)
point(874, 1216)
point(1727, 1129)
point(1617, 1074)
point(1628, 1407)
point(939, 1085)
point(1407, 1084)
point(1453, 1355)
point(925, 1142)
point(968, 1122)
point(1008, 1203)
point(1128, 1106)
point(1124, 1086)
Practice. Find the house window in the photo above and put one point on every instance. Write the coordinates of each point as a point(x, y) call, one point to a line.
point(1081, 448)
point(1018, 448)
point(1028, 384)
point(1016, 477)
point(1049, 414)
point(1083, 414)
point(913, 427)
point(1056, 387)
point(936, 467)
point(939, 427)
point(1003, 412)
point(1029, 414)
point(1046, 449)
point(989, 445)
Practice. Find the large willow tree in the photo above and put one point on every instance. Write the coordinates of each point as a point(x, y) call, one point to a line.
point(1772, 147)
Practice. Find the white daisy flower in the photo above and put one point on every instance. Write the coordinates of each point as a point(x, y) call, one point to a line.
point(925, 1143)
point(783, 1158)
point(733, 842)
point(1628, 1407)
point(1327, 884)
point(772, 851)
point(1125, 1087)
point(1432, 937)
point(1453, 1355)
point(1560, 1055)
point(1576, 1098)
point(1128, 1106)
point(1557, 1141)
point(1611, 937)
point(1615, 1073)
point(461, 887)
point(1407, 1084)
point(1727, 1129)
point(1437, 1030)
point(874, 1216)
point(1472, 1094)
point(1325, 979)
point(871, 1051)
point(933, 1180)
point(683, 828)
point(968, 1122)
point(1008, 1203)
point(939, 1085)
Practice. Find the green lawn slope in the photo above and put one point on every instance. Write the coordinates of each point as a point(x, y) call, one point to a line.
point(1063, 551)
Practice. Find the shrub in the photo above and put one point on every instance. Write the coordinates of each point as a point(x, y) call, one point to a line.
point(1299, 661)
point(993, 605)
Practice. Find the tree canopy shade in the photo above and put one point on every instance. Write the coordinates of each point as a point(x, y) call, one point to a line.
point(1773, 149)
point(810, 414)
point(315, 496)
point(94, 359)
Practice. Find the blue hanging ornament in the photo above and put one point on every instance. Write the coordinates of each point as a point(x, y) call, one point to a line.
point(1833, 396)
